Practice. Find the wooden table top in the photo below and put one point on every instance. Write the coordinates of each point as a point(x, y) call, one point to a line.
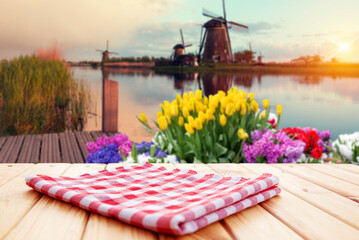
point(318, 201)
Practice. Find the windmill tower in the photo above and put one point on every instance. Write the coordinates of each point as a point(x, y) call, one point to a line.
point(106, 54)
point(216, 41)
point(180, 49)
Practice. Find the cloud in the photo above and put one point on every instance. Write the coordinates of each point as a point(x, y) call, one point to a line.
point(262, 27)
point(28, 25)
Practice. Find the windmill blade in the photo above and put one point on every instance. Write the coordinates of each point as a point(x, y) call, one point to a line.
point(207, 13)
point(200, 37)
point(224, 10)
point(99, 50)
point(238, 27)
point(112, 52)
point(182, 37)
point(187, 45)
point(201, 45)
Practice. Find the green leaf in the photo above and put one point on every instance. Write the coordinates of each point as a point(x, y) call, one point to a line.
point(197, 160)
point(219, 150)
point(123, 155)
point(134, 151)
point(212, 159)
point(231, 155)
point(224, 160)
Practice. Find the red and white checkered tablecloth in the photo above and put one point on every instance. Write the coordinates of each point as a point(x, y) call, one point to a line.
point(167, 201)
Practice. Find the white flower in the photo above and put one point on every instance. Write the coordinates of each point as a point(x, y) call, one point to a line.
point(142, 158)
point(345, 145)
point(273, 116)
point(170, 159)
point(130, 160)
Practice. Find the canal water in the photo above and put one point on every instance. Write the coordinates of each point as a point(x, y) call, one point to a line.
point(119, 95)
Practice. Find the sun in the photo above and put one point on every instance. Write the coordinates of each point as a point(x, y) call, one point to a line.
point(343, 47)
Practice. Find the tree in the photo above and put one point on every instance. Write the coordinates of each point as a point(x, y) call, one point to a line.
point(245, 56)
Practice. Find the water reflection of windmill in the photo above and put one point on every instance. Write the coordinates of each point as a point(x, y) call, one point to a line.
point(179, 56)
point(106, 54)
point(216, 41)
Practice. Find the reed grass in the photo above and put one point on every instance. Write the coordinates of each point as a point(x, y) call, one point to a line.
point(39, 96)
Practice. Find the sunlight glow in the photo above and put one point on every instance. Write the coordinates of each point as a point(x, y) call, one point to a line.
point(342, 47)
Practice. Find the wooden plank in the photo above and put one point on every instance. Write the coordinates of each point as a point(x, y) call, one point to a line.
point(35, 153)
point(51, 150)
point(303, 218)
point(78, 158)
point(54, 219)
point(333, 171)
point(14, 153)
point(26, 148)
point(2, 141)
point(322, 198)
point(56, 148)
point(6, 149)
point(45, 148)
point(16, 198)
point(87, 136)
point(82, 143)
point(334, 184)
point(349, 167)
point(10, 171)
point(95, 135)
point(64, 149)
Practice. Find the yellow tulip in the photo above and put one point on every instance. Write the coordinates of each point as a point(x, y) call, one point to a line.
point(178, 99)
point(198, 94)
point(205, 101)
point(185, 111)
point(265, 103)
point(190, 120)
point(223, 120)
point(242, 134)
point(168, 120)
point(185, 96)
point(162, 107)
point(180, 121)
point(159, 114)
point(263, 114)
point(243, 109)
point(224, 102)
point(221, 94)
point(174, 110)
point(251, 96)
point(279, 109)
point(197, 124)
point(198, 106)
point(191, 95)
point(202, 117)
point(162, 122)
point(254, 106)
point(167, 103)
point(143, 117)
point(168, 111)
point(230, 109)
point(188, 128)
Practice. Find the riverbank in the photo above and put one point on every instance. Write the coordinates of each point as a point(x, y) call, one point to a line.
point(327, 69)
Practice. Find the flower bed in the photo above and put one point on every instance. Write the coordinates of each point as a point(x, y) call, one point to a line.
point(223, 128)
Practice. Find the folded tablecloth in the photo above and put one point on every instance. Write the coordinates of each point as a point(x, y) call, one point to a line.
point(167, 201)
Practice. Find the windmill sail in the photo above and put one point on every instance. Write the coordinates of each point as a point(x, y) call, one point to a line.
point(210, 14)
point(237, 27)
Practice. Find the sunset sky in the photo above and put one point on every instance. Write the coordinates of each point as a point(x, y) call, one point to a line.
point(280, 29)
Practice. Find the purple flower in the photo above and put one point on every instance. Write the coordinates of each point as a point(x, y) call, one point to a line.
point(272, 148)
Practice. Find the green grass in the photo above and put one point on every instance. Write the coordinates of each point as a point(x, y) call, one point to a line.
point(39, 97)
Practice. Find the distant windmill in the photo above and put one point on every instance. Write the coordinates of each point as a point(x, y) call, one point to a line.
point(250, 49)
point(106, 54)
point(260, 57)
point(180, 49)
point(216, 41)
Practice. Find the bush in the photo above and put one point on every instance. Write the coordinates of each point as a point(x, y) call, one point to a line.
point(39, 96)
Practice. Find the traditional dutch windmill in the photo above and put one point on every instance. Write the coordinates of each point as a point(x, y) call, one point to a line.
point(216, 41)
point(180, 49)
point(106, 54)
